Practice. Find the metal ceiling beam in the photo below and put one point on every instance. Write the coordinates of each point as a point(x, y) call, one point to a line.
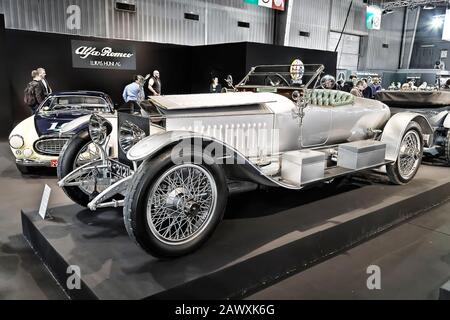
point(411, 4)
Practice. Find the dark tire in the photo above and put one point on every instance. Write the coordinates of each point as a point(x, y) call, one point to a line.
point(146, 181)
point(66, 164)
point(447, 148)
point(393, 170)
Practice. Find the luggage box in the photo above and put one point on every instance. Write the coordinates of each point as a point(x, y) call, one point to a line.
point(303, 166)
point(361, 154)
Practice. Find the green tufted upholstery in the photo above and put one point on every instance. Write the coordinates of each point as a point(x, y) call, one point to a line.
point(333, 98)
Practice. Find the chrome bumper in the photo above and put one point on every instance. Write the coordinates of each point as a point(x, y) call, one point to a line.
point(33, 163)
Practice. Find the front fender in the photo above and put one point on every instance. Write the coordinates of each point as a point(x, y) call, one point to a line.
point(151, 146)
point(395, 129)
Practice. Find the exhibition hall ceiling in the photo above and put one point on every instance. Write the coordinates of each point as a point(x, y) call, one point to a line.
point(311, 23)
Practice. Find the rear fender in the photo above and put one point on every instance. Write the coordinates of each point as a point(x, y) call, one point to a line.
point(395, 129)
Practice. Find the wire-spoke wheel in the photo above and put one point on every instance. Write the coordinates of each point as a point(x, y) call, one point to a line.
point(181, 203)
point(409, 156)
point(87, 154)
point(172, 209)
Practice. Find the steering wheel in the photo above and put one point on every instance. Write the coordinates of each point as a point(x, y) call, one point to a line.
point(275, 80)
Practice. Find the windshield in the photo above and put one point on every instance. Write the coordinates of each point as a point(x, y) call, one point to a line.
point(75, 103)
point(295, 75)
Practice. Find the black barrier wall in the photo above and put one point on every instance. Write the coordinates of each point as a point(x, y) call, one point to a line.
point(5, 109)
point(184, 69)
point(260, 54)
point(27, 51)
point(236, 59)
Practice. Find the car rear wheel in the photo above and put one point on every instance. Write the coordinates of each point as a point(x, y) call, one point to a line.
point(172, 209)
point(409, 157)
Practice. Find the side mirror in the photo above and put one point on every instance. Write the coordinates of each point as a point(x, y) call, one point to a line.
point(229, 81)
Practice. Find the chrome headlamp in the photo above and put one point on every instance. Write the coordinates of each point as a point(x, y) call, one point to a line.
point(99, 129)
point(130, 134)
point(16, 142)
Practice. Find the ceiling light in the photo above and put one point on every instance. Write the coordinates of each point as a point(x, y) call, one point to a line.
point(436, 22)
point(429, 6)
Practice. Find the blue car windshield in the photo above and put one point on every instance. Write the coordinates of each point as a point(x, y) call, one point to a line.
point(75, 103)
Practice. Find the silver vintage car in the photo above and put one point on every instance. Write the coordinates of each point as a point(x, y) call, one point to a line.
point(271, 129)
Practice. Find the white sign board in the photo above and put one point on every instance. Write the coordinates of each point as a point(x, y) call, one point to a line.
point(446, 32)
point(44, 202)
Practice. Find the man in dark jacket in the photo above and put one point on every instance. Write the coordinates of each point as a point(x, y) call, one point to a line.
point(34, 94)
point(44, 83)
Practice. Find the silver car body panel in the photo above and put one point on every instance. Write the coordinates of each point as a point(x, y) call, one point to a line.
point(207, 100)
point(269, 128)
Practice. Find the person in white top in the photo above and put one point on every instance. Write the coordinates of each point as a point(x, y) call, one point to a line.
point(45, 85)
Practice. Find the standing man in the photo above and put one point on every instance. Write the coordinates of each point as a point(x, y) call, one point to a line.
point(215, 86)
point(44, 83)
point(33, 95)
point(154, 84)
point(134, 92)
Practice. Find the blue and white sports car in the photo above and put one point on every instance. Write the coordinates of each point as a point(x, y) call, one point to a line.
point(36, 141)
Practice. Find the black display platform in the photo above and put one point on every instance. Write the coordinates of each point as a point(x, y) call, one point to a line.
point(444, 292)
point(265, 237)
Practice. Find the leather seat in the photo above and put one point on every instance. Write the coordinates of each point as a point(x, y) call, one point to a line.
point(331, 98)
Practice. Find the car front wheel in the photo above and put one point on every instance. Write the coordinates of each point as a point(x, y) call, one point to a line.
point(409, 156)
point(78, 151)
point(173, 207)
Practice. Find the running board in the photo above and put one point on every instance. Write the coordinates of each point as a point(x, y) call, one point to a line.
point(333, 173)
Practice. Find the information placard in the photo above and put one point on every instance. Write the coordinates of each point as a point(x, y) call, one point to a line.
point(44, 202)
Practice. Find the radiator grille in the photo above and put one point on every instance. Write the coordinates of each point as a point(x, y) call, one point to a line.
point(52, 147)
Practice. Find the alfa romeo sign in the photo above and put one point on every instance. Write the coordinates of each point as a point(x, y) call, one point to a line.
point(102, 55)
